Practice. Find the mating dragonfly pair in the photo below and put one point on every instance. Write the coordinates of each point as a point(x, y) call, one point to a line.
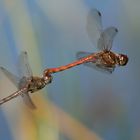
point(105, 60)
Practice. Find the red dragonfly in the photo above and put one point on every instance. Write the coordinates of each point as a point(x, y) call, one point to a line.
point(26, 83)
point(105, 59)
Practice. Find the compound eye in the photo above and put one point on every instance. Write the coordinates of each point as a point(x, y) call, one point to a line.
point(48, 79)
point(123, 59)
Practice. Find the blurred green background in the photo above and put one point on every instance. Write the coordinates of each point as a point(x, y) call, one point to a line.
point(80, 103)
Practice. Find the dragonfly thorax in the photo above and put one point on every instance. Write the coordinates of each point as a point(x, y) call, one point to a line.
point(107, 58)
point(34, 84)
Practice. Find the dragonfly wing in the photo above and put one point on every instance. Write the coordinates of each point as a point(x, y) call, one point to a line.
point(81, 54)
point(28, 101)
point(94, 25)
point(14, 79)
point(100, 68)
point(24, 67)
point(94, 64)
point(106, 39)
point(25, 70)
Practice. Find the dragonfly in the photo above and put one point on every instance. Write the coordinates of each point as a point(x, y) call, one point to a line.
point(26, 83)
point(102, 39)
point(104, 60)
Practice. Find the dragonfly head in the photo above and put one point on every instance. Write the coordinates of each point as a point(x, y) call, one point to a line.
point(47, 79)
point(122, 59)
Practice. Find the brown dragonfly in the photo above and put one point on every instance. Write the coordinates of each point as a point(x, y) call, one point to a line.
point(106, 60)
point(26, 83)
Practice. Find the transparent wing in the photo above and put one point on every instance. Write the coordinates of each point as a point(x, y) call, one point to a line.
point(106, 39)
point(14, 79)
point(81, 54)
point(28, 101)
point(100, 68)
point(94, 65)
point(25, 70)
point(94, 25)
point(24, 67)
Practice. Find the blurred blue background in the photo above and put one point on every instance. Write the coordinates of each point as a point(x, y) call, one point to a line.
point(80, 103)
